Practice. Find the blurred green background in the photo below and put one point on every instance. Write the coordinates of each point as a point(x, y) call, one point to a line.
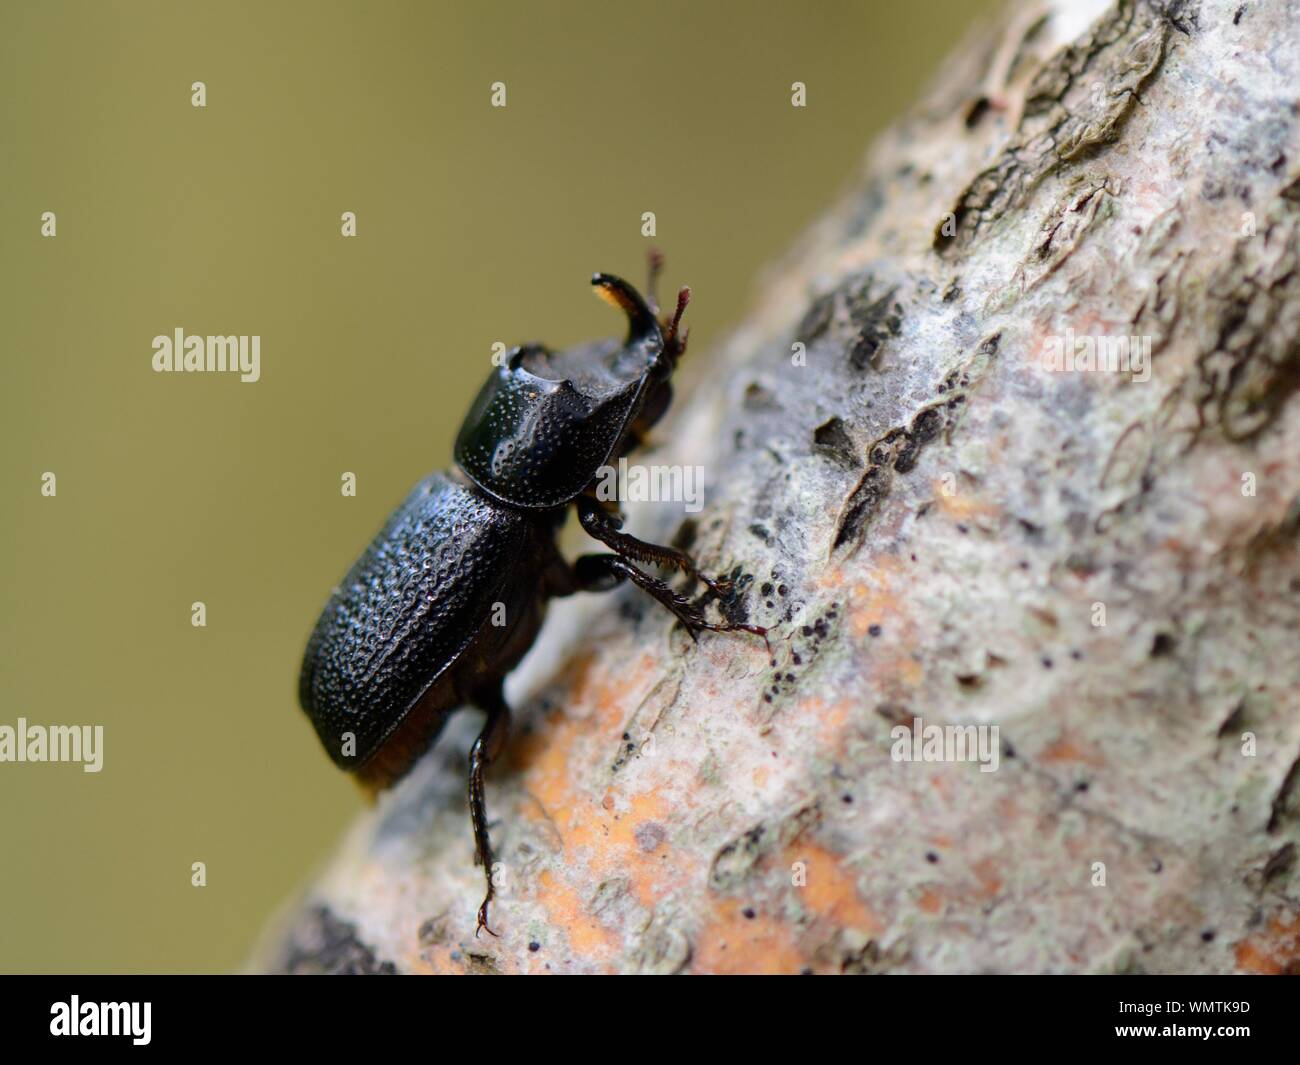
point(474, 225)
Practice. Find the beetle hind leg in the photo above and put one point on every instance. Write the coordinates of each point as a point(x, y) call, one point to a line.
point(485, 750)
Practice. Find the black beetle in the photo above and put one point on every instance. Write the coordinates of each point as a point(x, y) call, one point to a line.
point(450, 595)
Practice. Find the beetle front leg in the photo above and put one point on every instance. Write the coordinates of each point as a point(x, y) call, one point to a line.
point(485, 749)
point(601, 572)
point(605, 527)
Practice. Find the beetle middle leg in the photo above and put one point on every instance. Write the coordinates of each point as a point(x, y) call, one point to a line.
point(485, 749)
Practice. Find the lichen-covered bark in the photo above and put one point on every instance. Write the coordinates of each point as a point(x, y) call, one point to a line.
point(937, 526)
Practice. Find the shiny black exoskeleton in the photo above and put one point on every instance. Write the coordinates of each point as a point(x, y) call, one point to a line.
point(449, 596)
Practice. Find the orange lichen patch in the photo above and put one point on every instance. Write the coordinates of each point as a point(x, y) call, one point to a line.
point(566, 909)
point(596, 698)
point(1274, 951)
point(526, 750)
point(605, 840)
point(1009, 809)
point(621, 831)
point(963, 506)
point(733, 944)
point(990, 883)
point(760, 775)
point(544, 755)
point(871, 605)
point(606, 690)
point(930, 901)
point(831, 577)
point(874, 601)
point(606, 830)
point(831, 721)
point(966, 894)
point(1065, 750)
point(638, 848)
point(908, 670)
point(831, 891)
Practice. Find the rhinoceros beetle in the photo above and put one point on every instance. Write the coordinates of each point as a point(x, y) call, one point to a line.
point(450, 594)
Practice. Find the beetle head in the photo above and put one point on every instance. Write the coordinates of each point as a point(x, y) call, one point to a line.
point(545, 422)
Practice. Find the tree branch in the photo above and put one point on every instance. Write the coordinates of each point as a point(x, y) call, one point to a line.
point(941, 529)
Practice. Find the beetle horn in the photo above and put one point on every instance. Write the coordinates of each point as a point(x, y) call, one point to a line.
point(642, 324)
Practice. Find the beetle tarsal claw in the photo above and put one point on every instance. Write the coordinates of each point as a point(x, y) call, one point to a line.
point(483, 921)
point(702, 625)
point(719, 586)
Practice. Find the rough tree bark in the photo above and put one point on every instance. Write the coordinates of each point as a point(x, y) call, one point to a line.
point(937, 525)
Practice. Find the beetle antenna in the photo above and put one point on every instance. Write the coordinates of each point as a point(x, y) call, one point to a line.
point(654, 267)
point(674, 344)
